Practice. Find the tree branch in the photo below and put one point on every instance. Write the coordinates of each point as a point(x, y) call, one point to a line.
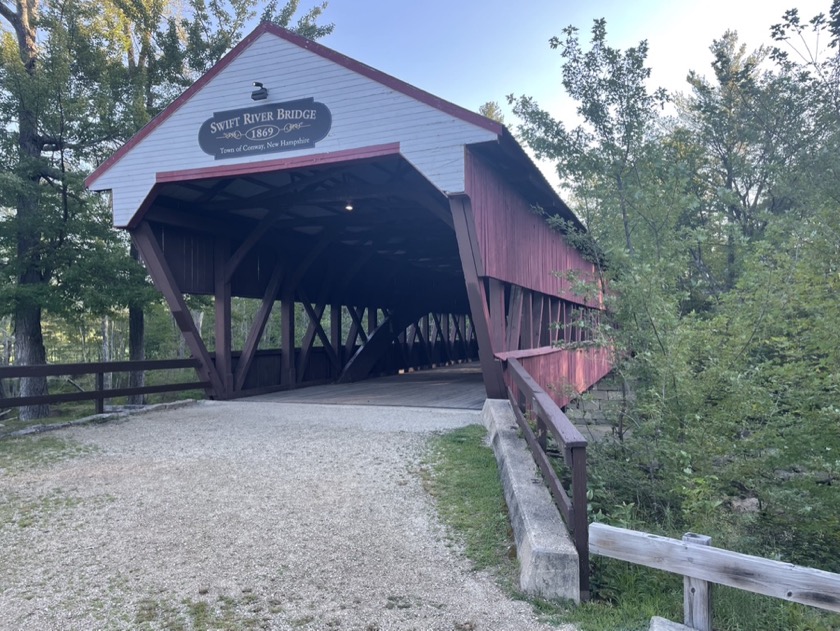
point(10, 16)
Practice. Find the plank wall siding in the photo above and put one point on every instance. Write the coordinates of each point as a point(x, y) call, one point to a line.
point(365, 113)
point(564, 373)
point(517, 245)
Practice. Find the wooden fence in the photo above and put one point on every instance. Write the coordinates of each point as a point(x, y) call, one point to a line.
point(99, 370)
point(700, 565)
point(530, 402)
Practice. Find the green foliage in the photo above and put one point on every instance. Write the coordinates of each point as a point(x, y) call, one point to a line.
point(22, 454)
point(492, 111)
point(463, 478)
point(602, 159)
point(717, 234)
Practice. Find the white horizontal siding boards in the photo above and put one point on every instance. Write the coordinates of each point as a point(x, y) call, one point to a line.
point(365, 112)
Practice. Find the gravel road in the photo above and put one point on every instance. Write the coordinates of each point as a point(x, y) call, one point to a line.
point(241, 515)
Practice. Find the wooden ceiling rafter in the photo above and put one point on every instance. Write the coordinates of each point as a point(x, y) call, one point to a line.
point(284, 216)
point(384, 237)
point(216, 189)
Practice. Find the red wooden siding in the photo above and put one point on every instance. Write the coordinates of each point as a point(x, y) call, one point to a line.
point(517, 245)
point(565, 373)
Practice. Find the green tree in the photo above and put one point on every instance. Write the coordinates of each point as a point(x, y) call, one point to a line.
point(491, 110)
point(43, 106)
point(617, 111)
point(722, 253)
point(751, 127)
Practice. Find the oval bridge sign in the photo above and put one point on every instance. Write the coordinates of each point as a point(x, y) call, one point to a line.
point(267, 128)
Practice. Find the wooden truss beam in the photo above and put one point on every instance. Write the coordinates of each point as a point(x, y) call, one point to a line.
point(224, 361)
point(158, 269)
point(258, 327)
point(369, 353)
point(248, 244)
point(514, 318)
point(442, 336)
point(315, 329)
point(497, 312)
point(473, 267)
point(287, 337)
point(287, 306)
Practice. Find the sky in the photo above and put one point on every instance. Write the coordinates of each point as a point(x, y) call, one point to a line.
point(473, 51)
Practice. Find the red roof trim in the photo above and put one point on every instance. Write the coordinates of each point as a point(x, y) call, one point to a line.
point(351, 64)
point(283, 164)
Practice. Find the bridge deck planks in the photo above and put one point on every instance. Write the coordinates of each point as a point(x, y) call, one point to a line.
point(459, 387)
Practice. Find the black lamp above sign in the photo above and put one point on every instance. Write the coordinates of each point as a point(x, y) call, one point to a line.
point(261, 93)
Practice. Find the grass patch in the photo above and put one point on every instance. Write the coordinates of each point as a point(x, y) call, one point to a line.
point(19, 512)
point(226, 612)
point(463, 478)
point(29, 452)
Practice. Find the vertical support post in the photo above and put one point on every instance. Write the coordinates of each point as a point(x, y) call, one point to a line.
point(473, 266)
point(538, 330)
point(542, 430)
point(224, 360)
point(564, 319)
point(527, 320)
point(425, 338)
point(335, 332)
point(497, 314)
point(514, 318)
point(446, 335)
point(697, 594)
point(287, 338)
point(100, 386)
point(580, 522)
point(542, 433)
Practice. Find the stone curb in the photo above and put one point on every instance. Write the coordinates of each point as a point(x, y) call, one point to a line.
point(547, 557)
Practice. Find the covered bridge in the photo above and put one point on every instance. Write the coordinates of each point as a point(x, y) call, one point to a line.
point(403, 225)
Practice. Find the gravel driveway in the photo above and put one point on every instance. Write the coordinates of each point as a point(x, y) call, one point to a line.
point(241, 515)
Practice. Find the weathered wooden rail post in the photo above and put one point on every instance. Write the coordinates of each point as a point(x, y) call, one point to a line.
point(697, 595)
point(100, 386)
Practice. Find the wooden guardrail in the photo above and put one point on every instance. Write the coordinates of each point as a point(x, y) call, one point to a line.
point(531, 402)
point(700, 565)
point(98, 369)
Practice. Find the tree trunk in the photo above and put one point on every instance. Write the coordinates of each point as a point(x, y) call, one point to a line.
point(29, 341)
point(30, 351)
point(5, 353)
point(136, 351)
point(106, 352)
point(625, 220)
point(136, 347)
